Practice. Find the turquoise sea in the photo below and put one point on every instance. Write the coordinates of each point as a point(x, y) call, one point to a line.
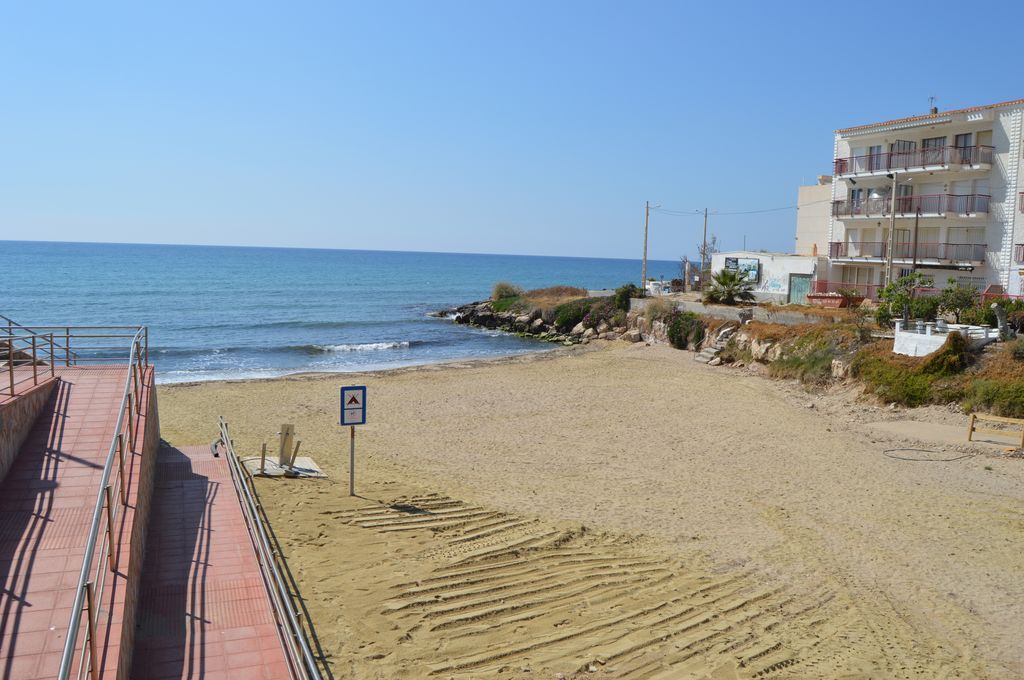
point(228, 312)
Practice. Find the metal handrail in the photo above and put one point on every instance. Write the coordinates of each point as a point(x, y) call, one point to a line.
point(301, 659)
point(32, 352)
point(89, 591)
point(11, 323)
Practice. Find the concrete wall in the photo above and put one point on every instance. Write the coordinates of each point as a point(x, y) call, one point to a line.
point(16, 419)
point(142, 492)
point(786, 317)
point(814, 209)
point(773, 283)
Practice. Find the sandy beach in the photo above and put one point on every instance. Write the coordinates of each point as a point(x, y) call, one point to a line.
point(622, 511)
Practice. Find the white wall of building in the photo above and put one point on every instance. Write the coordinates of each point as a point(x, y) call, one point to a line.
point(813, 212)
point(774, 271)
point(1000, 230)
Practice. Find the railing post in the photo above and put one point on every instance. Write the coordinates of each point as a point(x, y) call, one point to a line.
point(145, 337)
point(52, 358)
point(35, 370)
point(10, 363)
point(110, 527)
point(90, 605)
point(120, 456)
point(131, 430)
point(67, 346)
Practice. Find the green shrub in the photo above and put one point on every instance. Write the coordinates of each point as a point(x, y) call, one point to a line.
point(684, 329)
point(950, 359)
point(813, 368)
point(601, 309)
point(506, 304)
point(569, 314)
point(503, 289)
point(925, 308)
point(1018, 350)
point(914, 381)
point(729, 288)
point(623, 294)
point(1002, 398)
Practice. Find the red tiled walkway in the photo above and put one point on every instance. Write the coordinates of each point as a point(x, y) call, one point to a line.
point(46, 507)
point(203, 609)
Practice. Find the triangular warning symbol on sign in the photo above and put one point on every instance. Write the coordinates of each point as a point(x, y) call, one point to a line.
point(353, 400)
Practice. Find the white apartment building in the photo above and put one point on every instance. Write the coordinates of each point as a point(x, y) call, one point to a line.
point(959, 206)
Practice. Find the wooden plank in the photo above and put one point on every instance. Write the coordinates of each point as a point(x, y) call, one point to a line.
point(1005, 433)
point(970, 428)
point(998, 419)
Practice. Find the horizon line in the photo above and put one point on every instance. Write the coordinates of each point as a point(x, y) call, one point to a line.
point(354, 250)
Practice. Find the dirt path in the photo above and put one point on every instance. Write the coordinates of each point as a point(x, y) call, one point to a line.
point(566, 513)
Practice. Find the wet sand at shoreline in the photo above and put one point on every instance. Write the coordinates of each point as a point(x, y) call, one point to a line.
point(624, 511)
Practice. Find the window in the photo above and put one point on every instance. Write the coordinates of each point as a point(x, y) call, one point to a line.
point(932, 150)
point(875, 160)
point(964, 144)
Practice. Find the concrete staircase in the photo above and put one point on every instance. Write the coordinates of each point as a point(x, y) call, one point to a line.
point(710, 351)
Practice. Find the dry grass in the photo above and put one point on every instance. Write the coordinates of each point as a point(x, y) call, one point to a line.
point(548, 298)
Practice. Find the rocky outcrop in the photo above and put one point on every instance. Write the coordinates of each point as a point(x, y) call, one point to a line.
point(534, 324)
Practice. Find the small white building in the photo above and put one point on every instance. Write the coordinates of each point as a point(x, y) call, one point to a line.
point(780, 278)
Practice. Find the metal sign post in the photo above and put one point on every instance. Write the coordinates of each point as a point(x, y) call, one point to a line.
point(353, 412)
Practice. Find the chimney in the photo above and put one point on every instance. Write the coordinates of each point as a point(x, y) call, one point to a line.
point(935, 109)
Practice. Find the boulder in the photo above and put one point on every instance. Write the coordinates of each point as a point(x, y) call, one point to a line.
point(840, 369)
point(523, 320)
point(603, 327)
point(717, 361)
point(760, 349)
point(578, 329)
point(632, 336)
point(612, 336)
point(537, 325)
point(589, 333)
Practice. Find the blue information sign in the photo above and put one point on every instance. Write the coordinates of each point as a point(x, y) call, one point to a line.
point(353, 405)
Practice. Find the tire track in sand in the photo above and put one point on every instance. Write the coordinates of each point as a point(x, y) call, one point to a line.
point(501, 592)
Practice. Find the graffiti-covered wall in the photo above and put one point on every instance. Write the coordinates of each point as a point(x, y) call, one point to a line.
point(771, 273)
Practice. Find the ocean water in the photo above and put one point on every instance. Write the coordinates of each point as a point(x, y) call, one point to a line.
point(225, 312)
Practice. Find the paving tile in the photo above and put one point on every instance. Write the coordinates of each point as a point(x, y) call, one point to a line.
point(203, 605)
point(46, 507)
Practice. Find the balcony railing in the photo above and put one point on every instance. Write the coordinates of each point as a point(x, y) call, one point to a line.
point(952, 252)
point(1018, 252)
point(929, 204)
point(943, 156)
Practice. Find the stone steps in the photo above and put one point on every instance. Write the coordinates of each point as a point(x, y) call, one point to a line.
point(710, 352)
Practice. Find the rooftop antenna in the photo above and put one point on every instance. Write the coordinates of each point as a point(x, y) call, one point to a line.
point(931, 105)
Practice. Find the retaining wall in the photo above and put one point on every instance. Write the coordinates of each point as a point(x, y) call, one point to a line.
point(141, 497)
point(786, 317)
point(16, 419)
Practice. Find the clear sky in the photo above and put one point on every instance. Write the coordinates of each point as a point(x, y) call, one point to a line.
point(515, 127)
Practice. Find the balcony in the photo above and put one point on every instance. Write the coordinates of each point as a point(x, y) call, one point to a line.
point(1018, 253)
point(877, 250)
point(919, 160)
point(930, 205)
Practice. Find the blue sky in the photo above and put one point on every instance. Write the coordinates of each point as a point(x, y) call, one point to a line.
point(526, 127)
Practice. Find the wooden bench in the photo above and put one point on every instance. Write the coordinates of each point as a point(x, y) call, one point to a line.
point(972, 428)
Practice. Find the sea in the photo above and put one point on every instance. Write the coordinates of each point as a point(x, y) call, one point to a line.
point(220, 312)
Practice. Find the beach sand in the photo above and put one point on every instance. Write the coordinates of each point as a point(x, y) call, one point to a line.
point(623, 511)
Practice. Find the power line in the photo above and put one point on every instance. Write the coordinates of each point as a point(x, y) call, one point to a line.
point(698, 213)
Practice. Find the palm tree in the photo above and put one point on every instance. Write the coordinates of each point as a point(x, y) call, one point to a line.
point(729, 288)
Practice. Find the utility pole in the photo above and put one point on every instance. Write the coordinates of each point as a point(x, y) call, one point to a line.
point(643, 272)
point(913, 265)
point(704, 248)
point(892, 230)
